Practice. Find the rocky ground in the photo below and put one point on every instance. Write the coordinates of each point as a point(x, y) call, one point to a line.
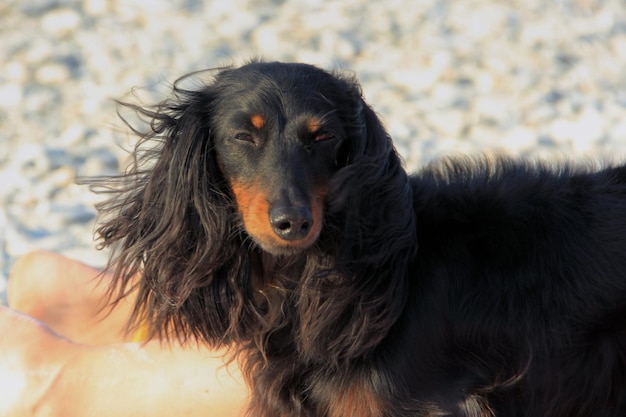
point(537, 78)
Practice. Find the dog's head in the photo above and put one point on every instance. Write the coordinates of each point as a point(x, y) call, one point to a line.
point(280, 132)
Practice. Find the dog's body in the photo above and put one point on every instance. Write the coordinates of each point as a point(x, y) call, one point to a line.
point(519, 299)
point(277, 219)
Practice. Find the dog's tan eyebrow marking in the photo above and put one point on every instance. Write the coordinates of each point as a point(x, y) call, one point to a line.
point(257, 121)
point(313, 124)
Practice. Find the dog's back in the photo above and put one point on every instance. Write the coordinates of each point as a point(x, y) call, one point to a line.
point(519, 297)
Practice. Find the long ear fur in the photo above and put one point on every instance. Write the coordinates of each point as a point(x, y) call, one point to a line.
point(370, 209)
point(170, 219)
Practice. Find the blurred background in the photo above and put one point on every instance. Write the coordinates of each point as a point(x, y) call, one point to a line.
point(534, 78)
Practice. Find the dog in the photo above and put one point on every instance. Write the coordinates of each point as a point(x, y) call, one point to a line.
point(268, 211)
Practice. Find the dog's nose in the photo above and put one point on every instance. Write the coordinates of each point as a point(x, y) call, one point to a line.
point(291, 223)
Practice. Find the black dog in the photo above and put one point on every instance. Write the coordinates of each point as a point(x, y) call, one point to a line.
point(271, 213)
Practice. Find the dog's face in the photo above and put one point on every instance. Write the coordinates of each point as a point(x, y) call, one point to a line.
point(278, 134)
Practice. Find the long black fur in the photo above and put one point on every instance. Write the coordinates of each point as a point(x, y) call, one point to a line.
point(477, 287)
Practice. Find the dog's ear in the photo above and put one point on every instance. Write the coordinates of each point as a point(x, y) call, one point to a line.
point(170, 219)
point(370, 168)
point(371, 216)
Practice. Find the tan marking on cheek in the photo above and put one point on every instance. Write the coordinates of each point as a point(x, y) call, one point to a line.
point(254, 208)
point(257, 121)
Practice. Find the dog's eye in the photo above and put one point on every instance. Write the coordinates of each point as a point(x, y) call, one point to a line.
point(321, 137)
point(245, 137)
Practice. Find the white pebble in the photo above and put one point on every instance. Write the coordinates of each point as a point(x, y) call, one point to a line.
point(10, 95)
point(15, 71)
point(72, 135)
point(52, 74)
point(520, 139)
point(96, 7)
point(581, 133)
point(61, 22)
point(449, 123)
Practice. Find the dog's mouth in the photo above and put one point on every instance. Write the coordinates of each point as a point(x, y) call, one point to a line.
point(278, 247)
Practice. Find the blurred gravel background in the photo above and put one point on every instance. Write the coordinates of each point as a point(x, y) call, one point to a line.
point(539, 78)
